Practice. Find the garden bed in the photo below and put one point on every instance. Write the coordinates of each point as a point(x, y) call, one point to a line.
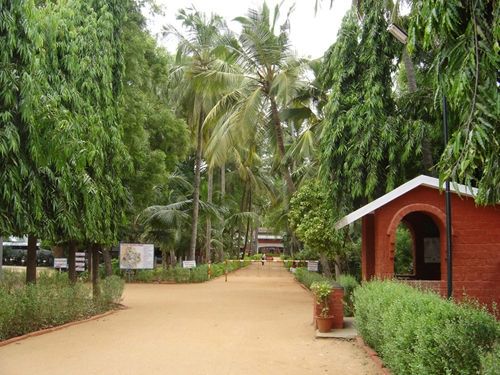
point(51, 302)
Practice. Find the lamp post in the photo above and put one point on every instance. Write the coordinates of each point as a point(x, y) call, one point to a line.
point(402, 37)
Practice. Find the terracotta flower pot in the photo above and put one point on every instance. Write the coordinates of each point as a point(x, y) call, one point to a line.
point(324, 324)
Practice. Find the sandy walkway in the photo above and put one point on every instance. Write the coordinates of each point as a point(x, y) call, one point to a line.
point(259, 322)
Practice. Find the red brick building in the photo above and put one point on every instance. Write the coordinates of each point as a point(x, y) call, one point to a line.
point(420, 205)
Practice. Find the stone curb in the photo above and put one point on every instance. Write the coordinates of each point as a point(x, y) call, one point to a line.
point(374, 356)
point(57, 328)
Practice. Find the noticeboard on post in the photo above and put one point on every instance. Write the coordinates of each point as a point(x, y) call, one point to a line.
point(313, 265)
point(135, 256)
point(189, 264)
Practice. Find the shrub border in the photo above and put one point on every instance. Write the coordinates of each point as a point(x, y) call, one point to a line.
point(62, 326)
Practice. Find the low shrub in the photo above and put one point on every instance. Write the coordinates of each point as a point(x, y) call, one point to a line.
point(490, 361)
point(349, 283)
point(307, 277)
point(52, 301)
point(418, 332)
point(111, 291)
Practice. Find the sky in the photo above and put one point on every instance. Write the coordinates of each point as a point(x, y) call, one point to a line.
point(310, 34)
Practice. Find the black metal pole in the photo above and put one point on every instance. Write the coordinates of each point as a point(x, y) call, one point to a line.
point(449, 263)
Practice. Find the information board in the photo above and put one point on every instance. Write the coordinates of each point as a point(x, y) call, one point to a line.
point(188, 263)
point(313, 265)
point(135, 256)
point(60, 263)
point(80, 261)
point(432, 250)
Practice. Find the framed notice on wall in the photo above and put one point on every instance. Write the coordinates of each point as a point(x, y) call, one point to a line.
point(136, 256)
point(432, 252)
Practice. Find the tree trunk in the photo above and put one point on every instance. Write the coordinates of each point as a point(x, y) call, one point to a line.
point(325, 265)
point(338, 267)
point(247, 232)
point(173, 258)
point(31, 261)
point(412, 88)
point(281, 146)
point(196, 192)
point(208, 228)
point(164, 258)
point(89, 262)
point(1, 257)
point(223, 182)
point(108, 267)
point(95, 271)
point(72, 262)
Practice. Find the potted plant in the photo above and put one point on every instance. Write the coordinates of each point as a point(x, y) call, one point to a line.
point(321, 291)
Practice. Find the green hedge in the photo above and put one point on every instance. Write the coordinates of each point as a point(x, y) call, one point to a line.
point(183, 275)
point(52, 301)
point(307, 278)
point(349, 283)
point(418, 332)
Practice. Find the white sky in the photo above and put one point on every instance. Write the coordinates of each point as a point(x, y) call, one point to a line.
point(310, 34)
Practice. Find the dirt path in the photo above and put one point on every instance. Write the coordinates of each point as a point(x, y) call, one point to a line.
point(257, 323)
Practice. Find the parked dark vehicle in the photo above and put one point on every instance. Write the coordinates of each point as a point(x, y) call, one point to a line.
point(17, 255)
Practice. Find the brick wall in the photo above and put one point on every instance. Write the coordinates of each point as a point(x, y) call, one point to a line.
point(475, 236)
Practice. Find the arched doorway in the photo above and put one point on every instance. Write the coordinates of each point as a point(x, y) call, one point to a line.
point(426, 247)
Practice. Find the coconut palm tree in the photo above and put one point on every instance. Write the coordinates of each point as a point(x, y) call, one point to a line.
point(266, 76)
point(199, 48)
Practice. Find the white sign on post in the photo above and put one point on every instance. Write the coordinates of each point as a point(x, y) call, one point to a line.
point(188, 263)
point(134, 256)
point(313, 265)
point(60, 263)
point(80, 261)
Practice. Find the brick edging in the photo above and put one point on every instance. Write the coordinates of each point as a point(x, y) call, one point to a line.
point(374, 356)
point(57, 328)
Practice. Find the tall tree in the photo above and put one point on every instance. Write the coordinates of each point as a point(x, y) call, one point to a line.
point(198, 50)
point(365, 145)
point(463, 36)
point(266, 77)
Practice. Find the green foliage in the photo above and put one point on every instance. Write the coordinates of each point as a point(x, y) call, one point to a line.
point(420, 333)
point(306, 277)
point(490, 361)
point(60, 143)
point(312, 218)
point(365, 145)
point(403, 259)
point(463, 39)
point(154, 137)
point(349, 283)
point(184, 275)
point(52, 301)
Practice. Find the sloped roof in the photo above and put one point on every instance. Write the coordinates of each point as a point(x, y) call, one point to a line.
point(399, 191)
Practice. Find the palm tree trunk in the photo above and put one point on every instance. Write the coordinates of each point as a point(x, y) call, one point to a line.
point(173, 259)
point(281, 146)
point(208, 229)
point(248, 223)
point(196, 192)
point(412, 88)
point(223, 181)
point(31, 261)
